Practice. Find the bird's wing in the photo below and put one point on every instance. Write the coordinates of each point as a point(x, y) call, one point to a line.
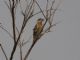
point(35, 30)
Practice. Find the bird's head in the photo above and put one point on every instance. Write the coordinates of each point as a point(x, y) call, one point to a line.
point(40, 20)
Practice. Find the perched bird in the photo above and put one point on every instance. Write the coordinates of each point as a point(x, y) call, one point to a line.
point(37, 29)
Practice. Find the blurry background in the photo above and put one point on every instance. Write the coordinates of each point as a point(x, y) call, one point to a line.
point(63, 43)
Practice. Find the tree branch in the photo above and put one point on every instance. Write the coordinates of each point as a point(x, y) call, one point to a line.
point(3, 52)
point(20, 50)
point(6, 31)
point(13, 24)
point(18, 39)
point(26, 56)
point(20, 45)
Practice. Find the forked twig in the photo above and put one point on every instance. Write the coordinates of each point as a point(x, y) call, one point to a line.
point(20, 45)
point(48, 29)
point(6, 31)
point(3, 52)
point(40, 9)
point(24, 43)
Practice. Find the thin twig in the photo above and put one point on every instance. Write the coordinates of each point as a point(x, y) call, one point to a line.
point(48, 29)
point(3, 52)
point(20, 50)
point(38, 13)
point(50, 22)
point(6, 31)
point(27, 13)
point(20, 45)
point(26, 56)
point(55, 10)
point(40, 9)
point(13, 25)
point(13, 20)
point(6, 4)
point(22, 10)
point(24, 43)
point(47, 9)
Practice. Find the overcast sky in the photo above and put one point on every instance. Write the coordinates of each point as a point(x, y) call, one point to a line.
point(61, 44)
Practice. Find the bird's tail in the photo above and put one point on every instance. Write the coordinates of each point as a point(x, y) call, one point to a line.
point(35, 38)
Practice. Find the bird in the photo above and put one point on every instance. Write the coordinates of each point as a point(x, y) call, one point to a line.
point(37, 29)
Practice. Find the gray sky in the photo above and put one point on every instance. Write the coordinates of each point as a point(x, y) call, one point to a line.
point(61, 44)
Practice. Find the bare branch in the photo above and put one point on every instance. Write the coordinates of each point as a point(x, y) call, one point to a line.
point(32, 45)
point(27, 16)
point(22, 10)
point(26, 56)
point(28, 6)
point(3, 52)
point(51, 12)
point(55, 10)
point(10, 4)
point(20, 50)
point(6, 4)
point(47, 9)
point(38, 13)
point(40, 9)
point(14, 28)
point(13, 22)
point(20, 45)
point(6, 31)
point(24, 43)
point(23, 26)
point(48, 29)
point(16, 3)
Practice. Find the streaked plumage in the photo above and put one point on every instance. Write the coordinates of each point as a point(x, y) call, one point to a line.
point(37, 29)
